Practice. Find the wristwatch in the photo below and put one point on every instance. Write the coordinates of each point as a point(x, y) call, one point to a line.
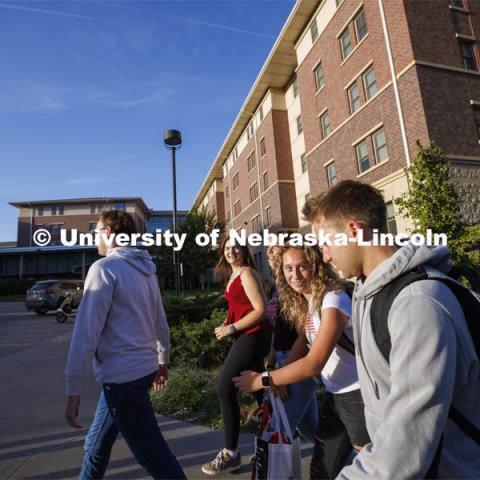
point(266, 379)
point(232, 329)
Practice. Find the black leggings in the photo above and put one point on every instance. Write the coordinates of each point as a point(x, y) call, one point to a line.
point(341, 425)
point(246, 353)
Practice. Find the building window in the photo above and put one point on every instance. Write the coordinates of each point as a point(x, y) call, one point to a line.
point(92, 226)
point(346, 44)
point(319, 80)
point(253, 192)
point(256, 224)
point(251, 161)
point(476, 116)
point(39, 212)
point(260, 112)
point(295, 89)
point(457, 3)
point(237, 208)
point(325, 123)
point(235, 154)
point(299, 125)
point(362, 156)
point(468, 55)
point(265, 181)
point(268, 215)
point(54, 210)
point(303, 162)
point(380, 144)
point(263, 147)
point(61, 210)
point(228, 216)
point(93, 209)
point(370, 83)
point(354, 98)
point(121, 206)
point(235, 181)
point(314, 30)
point(227, 191)
point(331, 174)
point(391, 222)
point(360, 26)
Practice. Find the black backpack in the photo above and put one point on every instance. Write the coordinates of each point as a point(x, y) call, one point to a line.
point(470, 303)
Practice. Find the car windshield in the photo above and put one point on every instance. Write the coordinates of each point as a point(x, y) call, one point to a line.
point(43, 286)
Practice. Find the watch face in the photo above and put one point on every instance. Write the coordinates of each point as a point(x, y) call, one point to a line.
point(266, 380)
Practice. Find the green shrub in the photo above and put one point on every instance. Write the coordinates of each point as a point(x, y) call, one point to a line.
point(195, 344)
point(15, 286)
point(192, 309)
point(191, 395)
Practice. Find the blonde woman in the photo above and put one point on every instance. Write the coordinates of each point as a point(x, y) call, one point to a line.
point(316, 300)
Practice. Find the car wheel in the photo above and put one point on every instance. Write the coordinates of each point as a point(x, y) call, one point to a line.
point(41, 311)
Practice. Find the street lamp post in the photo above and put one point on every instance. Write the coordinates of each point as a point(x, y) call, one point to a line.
point(173, 142)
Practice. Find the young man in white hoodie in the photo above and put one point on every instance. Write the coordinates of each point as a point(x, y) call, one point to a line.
point(122, 329)
point(432, 364)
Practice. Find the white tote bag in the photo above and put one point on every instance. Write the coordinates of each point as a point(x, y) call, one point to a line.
point(277, 453)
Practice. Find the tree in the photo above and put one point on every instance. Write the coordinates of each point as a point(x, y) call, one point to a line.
point(432, 202)
point(197, 260)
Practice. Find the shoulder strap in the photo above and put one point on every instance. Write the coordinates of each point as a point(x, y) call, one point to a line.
point(381, 305)
point(346, 343)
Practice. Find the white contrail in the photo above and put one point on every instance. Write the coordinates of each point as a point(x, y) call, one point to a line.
point(48, 12)
point(190, 20)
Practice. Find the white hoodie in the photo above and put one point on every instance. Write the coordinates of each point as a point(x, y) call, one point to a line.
point(121, 324)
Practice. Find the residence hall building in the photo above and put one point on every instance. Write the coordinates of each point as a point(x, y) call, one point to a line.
point(348, 89)
point(25, 259)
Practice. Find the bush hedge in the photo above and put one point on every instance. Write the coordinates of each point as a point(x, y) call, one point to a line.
point(191, 395)
point(15, 286)
point(195, 344)
point(192, 309)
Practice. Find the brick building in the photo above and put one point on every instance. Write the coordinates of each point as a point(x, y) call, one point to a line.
point(348, 89)
point(79, 213)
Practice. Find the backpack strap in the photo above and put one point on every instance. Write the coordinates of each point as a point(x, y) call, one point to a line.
point(346, 344)
point(381, 305)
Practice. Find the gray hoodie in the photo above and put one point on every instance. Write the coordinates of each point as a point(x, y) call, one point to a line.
point(121, 324)
point(433, 364)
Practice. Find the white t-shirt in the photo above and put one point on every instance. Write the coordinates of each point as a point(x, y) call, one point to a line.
point(340, 372)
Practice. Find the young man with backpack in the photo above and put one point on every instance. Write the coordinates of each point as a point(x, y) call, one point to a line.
point(415, 331)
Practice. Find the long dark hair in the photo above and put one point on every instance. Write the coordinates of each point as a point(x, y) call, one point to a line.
point(223, 269)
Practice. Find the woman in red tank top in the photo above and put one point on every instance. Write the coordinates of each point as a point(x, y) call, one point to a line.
point(245, 321)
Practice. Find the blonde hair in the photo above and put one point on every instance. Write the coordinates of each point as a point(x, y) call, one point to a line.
point(324, 279)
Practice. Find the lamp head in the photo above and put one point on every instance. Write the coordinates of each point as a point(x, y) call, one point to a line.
point(172, 139)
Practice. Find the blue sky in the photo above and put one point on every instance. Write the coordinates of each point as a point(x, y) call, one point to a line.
point(88, 87)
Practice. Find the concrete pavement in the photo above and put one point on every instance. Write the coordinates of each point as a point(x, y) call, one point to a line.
point(35, 441)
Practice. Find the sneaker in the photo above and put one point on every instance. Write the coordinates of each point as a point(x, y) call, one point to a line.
point(223, 462)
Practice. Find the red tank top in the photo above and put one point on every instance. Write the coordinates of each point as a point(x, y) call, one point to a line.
point(239, 306)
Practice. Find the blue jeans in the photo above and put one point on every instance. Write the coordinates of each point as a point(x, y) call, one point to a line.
point(126, 408)
point(98, 443)
point(301, 407)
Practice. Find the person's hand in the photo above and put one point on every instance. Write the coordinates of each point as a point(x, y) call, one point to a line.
point(222, 331)
point(71, 411)
point(248, 381)
point(161, 378)
point(280, 392)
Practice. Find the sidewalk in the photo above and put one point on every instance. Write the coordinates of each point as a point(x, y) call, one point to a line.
point(36, 442)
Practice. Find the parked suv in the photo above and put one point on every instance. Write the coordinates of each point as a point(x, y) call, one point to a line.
point(49, 294)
